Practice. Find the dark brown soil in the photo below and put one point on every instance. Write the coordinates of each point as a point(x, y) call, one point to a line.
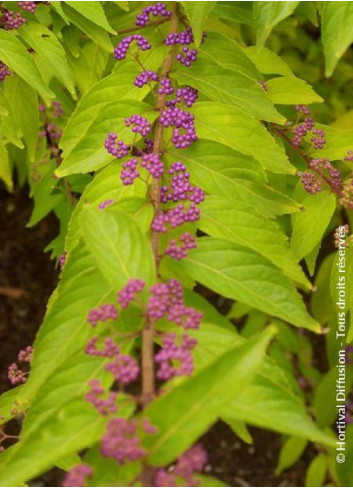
point(27, 278)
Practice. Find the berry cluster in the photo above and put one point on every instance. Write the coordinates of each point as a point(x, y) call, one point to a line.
point(174, 358)
point(15, 374)
point(103, 313)
point(13, 20)
point(158, 9)
point(179, 251)
point(145, 77)
point(121, 441)
point(28, 5)
point(78, 476)
point(323, 164)
point(165, 86)
point(186, 56)
point(128, 294)
point(302, 129)
point(311, 182)
point(182, 122)
point(180, 189)
point(185, 467)
point(51, 130)
point(116, 148)
point(105, 203)
point(138, 124)
point(153, 165)
point(4, 71)
point(94, 396)
point(122, 48)
point(186, 96)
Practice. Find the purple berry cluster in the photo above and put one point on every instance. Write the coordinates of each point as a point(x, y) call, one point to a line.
point(121, 441)
point(180, 189)
point(153, 165)
point(187, 56)
point(194, 460)
point(175, 217)
point(138, 124)
point(102, 314)
point(105, 204)
point(116, 148)
point(175, 357)
point(157, 9)
point(78, 476)
point(145, 77)
point(94, 396)
point(180, 251)
point(182, 122)
point(186, 96)
point(4, 71)
point(122, 48)
point(28, 5)
point(15, 374)
point(324, 165)
point(110, 347)
point(124, 369)
point(311, 183)
point(165, 86)
point(13, 20)
point(129, 171)
point(302, 129)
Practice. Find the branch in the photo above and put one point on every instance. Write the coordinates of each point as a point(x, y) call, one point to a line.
point(306, 158)
point(148, 333)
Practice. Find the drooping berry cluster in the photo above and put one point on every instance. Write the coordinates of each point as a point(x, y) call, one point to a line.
point(138, 124)
point(122, 48)
point(15, 374)
point(157, 9)
point(182, 122)
point(116, 148)
point(13, 20)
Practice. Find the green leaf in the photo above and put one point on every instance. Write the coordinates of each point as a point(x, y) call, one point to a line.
point(230, 126)
point(46, 44)
point(238, 273)
point(269, 402)
point(267, 62)
point(316, 473)
point(15, 55)
point(232, 12)
point(290, 453)
point(5, 168)
point(229, 87)
point(185, 412)
point(94, 12)
point(310, 225)
point(239, 428)
point(8, 401)
point(23, 102)
point(267, 15)
point(93, 31)
point(227, 53)
point(111, 237)
point(336, 31)
point(222, 171)
point(290, 90)
point(228, 219)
